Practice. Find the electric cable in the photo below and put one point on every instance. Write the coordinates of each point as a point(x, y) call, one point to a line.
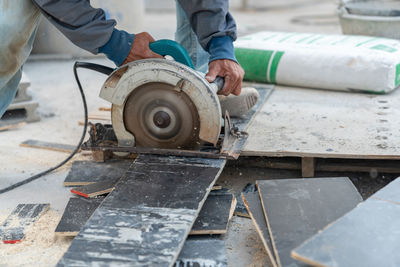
point(92, 66)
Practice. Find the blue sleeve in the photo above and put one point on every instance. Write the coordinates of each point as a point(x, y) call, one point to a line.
point(118, 46)
point(221, 48)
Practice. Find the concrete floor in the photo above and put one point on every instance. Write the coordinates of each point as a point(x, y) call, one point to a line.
point(53, 86)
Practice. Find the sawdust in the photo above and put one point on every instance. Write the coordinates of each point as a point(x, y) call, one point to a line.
point(40, 247)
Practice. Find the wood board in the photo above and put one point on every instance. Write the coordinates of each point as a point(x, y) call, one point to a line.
point(48, 145)
point(13, 228)
point(327, 124)
point(148, 216)
point(95, 189)
point(76, 214)
point(215, 215)
point(296, 209)
point(88, 172)
point(202, 251)
point(12, 126)
point(254, 208)
point(367, 236)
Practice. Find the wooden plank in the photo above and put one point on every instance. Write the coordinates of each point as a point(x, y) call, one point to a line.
point(148, 216)
point(202, 251)
point(253, 204)
point(215, 215)
point(95, 189)
point(307, 167)
point(13, 229)
point(296, 209)
point(12, 126)
point(367, 236)
point(326, 124)
point(88, 172)
point(48, 145)
point(76, 214)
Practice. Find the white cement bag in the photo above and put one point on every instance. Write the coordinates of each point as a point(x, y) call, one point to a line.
point(337, 62)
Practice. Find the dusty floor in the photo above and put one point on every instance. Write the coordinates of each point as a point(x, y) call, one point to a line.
point(53, 86)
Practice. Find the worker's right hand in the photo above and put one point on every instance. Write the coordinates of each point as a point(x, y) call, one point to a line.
point(140, 48)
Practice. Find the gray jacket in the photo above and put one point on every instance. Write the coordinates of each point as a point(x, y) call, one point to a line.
point(88, 28)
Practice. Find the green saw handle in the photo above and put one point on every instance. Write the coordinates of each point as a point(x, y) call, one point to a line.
point(165, 47)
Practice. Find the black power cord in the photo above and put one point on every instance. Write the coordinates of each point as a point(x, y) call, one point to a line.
point(86, 65)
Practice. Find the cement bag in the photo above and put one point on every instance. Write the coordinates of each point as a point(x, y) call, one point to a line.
point(337, 62)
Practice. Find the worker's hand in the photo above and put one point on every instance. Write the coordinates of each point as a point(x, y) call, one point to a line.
point(140, 48)
point(231, 71)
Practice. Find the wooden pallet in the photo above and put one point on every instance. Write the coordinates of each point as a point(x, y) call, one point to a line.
point(309, 166)
point(311, 124)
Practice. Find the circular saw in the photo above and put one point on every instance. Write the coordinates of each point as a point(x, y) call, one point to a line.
point(166, 104)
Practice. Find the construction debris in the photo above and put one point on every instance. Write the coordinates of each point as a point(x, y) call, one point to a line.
point(13, 229)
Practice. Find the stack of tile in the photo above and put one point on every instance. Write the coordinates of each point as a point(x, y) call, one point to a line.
point(287, 212)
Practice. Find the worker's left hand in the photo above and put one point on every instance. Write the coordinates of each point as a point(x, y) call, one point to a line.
point(231, 71)
point(140, 48)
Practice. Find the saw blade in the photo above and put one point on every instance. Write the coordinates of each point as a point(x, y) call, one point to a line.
point(161, 117)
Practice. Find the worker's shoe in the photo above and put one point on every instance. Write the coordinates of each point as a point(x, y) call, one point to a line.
point(239, 105)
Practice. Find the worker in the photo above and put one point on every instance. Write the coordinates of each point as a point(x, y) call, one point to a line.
point(205, 28)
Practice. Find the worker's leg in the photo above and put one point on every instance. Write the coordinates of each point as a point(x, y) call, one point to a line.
point(188, 39)
point(18, 24)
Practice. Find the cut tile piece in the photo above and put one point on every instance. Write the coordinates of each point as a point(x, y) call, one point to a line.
point(13, 229)
point(202, 251)
point(253, 204)
point(95, 189)
point(139, 236)
point(296, 209)
point(215, 215)
point(367, 236)
point(88, 172)
point(76, 214)
point(145, 220)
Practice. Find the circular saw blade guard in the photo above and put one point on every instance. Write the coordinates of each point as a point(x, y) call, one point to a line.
point(168, 75)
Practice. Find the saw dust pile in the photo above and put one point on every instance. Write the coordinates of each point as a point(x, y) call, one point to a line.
point(40, 247)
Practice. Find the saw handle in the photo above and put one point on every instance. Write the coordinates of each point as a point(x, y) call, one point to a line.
point(171, 48)
point(218, 84)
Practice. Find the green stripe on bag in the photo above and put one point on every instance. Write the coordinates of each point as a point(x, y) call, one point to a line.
point(254, 62)
point(274, 66)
